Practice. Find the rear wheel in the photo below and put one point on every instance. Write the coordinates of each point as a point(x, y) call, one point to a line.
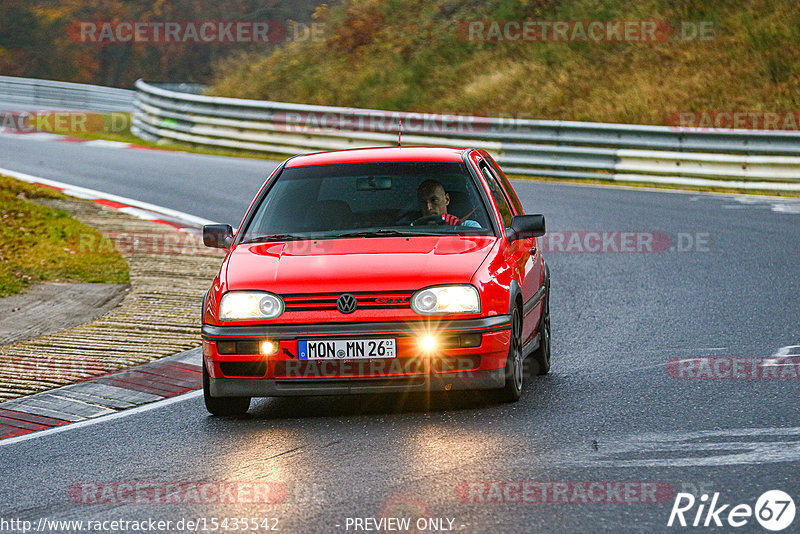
point(512, 390)
point(224, 406)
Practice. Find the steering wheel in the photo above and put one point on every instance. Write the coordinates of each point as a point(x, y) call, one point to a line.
point(428, 220)
point(405, 217)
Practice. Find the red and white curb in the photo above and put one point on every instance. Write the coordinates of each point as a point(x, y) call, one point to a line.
point(142, 210)
point(126, 390)
point(102, 396)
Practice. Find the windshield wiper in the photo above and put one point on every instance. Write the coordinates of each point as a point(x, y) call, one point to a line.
point(273, 237)
point(378, 233)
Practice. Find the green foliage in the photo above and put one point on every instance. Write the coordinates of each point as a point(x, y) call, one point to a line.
point(408, 55)
point(40, 244)
point(38, 39)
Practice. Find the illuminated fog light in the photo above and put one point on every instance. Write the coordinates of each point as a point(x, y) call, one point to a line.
point(269, 347)
point(427, 343)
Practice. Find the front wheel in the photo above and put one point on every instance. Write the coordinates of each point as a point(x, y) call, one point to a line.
point(512, 390)
point(224, 406)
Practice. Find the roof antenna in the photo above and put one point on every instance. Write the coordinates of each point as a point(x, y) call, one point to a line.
point(400, 134)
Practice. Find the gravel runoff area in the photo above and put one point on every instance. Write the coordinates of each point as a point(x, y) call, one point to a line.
point(158, 315)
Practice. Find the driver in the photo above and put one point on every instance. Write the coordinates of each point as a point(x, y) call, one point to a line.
point(433, 201)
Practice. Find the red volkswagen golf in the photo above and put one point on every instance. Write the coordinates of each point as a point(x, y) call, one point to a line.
point(377, 270)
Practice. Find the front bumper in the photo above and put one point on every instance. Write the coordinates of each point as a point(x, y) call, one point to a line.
point(260, 387)
point(283, 374)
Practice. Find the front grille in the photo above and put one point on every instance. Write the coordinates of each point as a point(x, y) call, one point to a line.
point(367, 300)
point(255, 369)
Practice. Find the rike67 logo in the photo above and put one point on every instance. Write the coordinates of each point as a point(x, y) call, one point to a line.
point(774, 510)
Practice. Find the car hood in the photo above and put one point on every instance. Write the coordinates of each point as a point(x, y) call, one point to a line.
point(359, 264)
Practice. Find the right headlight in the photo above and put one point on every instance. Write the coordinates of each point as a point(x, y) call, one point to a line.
point(249, 305)
point(446, 299)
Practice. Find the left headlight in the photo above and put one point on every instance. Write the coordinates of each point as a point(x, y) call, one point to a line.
point(246, 305)
point(446, 299)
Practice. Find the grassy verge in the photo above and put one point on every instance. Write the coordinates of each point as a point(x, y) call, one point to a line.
point(41, 244)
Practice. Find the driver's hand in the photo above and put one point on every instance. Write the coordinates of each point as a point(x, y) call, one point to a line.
point(452, 220)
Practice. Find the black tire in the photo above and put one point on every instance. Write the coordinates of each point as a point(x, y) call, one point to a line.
point(223, 406)
point(538, 363)
point(512, 390)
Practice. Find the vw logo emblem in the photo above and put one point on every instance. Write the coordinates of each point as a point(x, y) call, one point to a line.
point(346, 303)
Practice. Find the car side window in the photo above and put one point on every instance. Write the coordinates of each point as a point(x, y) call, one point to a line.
point(510, 193)
point(499, 196)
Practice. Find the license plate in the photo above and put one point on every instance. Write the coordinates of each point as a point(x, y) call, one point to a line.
point(340, 349)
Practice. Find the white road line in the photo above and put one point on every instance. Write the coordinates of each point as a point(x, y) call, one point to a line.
point(139, 214)
point(700, 448)
point(107, 144)
point(39, 136)
point(84, 192)
point(787, 351)
point(102, 419)
point(652, 189)
point(702, 182)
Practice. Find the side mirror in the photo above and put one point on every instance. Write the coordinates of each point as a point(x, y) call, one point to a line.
point(217, 235)
point(526, 226)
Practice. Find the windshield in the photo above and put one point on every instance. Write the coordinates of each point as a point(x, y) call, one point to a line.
point(369, 200)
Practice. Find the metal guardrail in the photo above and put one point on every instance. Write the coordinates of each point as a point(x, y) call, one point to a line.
point(65, 95)
point(559, 149)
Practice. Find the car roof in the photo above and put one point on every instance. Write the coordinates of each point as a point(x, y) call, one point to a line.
point(379, 154)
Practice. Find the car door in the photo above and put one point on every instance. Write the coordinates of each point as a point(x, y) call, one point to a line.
point(523, 254)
